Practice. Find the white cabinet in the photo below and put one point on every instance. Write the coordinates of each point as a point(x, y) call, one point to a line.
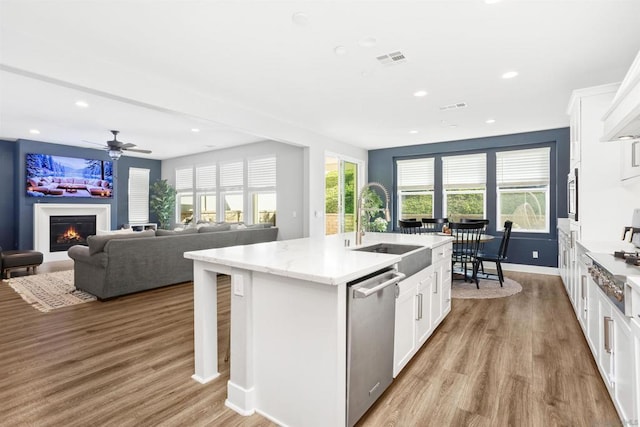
point(635, 331)
point(574, 130)
point(423, 301)
point(629, 159)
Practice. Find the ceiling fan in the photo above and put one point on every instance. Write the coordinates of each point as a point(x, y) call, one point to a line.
point(115, 148)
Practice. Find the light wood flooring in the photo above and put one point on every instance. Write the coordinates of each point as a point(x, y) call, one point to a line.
point(517, 361)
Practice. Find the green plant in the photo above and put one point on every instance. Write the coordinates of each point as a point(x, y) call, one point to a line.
point(163, 202)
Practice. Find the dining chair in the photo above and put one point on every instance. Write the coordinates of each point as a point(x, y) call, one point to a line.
point(466, 241)
point(433, 225)
point(500, 256)
point(410, 226)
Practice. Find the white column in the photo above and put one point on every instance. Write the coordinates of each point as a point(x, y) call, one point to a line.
point(205, 327)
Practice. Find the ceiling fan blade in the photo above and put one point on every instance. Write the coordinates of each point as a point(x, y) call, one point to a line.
point(94, 143)
point(137, 150)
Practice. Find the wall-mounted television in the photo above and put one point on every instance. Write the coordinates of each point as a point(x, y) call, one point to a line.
point(57, 176)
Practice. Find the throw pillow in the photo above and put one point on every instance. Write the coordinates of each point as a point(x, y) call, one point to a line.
point(97, 243)
point(161, 232)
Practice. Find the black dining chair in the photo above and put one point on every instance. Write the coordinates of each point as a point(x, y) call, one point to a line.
point(466, 241)
point(410, 226)
point(433, 225)
point(500, 256)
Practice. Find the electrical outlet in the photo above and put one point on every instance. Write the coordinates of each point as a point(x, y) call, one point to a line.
point(535, 254)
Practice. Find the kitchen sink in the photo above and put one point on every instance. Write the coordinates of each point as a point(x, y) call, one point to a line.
point(419, 259)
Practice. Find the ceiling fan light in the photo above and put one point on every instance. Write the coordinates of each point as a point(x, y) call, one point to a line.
point(115, 154)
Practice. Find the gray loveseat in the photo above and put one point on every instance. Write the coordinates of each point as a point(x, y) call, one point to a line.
point(120, 264)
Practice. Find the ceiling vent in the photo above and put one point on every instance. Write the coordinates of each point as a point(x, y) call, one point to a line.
point(455, 106)
point(392, 58)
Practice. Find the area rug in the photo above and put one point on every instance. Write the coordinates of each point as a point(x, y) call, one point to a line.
point(488, 289)
point(49, 291)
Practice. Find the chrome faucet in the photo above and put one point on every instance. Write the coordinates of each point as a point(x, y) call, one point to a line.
point(359, 210)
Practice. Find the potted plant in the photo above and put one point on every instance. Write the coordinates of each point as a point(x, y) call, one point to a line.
point(163, 202)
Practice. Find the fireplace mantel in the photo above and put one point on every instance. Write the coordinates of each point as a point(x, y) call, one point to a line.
point(42, 212)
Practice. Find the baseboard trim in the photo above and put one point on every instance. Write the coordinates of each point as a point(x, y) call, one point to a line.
point(537, 269)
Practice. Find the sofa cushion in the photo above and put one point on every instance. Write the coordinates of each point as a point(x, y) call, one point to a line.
point(97, 243)
point(161, 232)
point(213, 228)
point(261, 225)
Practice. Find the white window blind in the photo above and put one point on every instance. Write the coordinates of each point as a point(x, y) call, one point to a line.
point(138, 196)
point(521, 168)
point(415, 174)
point(231, 174)
point(206, 177)
point(184, 179)
point(468, 171)
point(262, 172)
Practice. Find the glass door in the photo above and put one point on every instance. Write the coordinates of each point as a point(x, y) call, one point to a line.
point(341, 193)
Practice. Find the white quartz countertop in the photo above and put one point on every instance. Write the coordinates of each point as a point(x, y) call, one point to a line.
point(324, 259)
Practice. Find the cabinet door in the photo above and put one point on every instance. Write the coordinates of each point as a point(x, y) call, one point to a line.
point(405, 325)
point(630, 159)
point(423, 307)
point(445, 285)
point(624, 389)
point(606, 340)
point(593, 318)
point(436, 297)
point(575, 124)
point(583, 297)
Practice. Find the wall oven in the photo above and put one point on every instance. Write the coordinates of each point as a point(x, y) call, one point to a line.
point(572, 195)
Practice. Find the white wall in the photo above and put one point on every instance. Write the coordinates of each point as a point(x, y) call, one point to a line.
point(291, 210)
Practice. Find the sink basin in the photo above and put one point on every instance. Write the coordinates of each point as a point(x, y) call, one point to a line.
point(411, 263)
point(389, 248)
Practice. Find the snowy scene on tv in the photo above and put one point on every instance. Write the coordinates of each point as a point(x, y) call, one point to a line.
point(56, 176)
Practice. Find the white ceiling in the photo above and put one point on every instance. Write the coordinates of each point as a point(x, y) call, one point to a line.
point(245, 71)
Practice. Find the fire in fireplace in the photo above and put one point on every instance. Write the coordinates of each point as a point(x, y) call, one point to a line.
point(68, 230)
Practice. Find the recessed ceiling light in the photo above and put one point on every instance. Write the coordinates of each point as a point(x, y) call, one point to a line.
point(453, 126)
point(300, 18)
point(81, 104)
point(420, 93)
point(509, 74)
point(489, 121)
point(413, 131)
point(367, 42)
point(34, 131)
point(340, 50)
point(195, 130)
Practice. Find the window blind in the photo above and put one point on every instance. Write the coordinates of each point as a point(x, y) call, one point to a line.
point(262, 172)
point(519, 168)
point(206, 177)
point(184, 179)
point(415, 174)
point(138, 196)
point(231, 174)
point(467, 171)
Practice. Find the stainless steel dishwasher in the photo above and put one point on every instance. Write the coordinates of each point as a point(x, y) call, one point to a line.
point(370, 325)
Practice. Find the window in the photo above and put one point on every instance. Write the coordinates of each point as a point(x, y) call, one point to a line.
point(184, 196)
point(138, 196)
point(232, 187)
point(262, 188)
point(522, 178)
point(206, 193)
point(415, 188)
point(340, 194)
point(464, 180)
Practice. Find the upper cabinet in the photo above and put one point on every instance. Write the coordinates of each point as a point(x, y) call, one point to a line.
point(630, 159)
point(622, 119)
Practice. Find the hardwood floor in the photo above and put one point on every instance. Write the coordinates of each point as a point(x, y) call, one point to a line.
point(517, 361)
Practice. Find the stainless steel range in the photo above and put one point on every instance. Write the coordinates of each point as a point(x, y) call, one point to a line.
point(610, 273)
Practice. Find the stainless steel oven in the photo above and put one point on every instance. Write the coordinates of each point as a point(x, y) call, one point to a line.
point(572, 195)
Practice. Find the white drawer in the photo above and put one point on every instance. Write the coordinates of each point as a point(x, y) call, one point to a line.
point(441, 253)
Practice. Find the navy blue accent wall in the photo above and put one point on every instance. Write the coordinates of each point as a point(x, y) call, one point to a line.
point(7, 195)
point(382, 169)
point(23, 219)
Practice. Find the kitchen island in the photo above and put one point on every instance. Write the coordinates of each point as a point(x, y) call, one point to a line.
point(288, 321)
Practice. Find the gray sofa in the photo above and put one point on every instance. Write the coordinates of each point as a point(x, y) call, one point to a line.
point(120, 264)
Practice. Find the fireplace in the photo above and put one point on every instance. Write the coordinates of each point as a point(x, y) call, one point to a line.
point(41, 224)
point(68, 230)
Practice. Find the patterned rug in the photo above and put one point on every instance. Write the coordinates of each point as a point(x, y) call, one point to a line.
point(488, 289)
point(49, 291)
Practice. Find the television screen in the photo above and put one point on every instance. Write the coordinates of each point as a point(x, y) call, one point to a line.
point(56, 176)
